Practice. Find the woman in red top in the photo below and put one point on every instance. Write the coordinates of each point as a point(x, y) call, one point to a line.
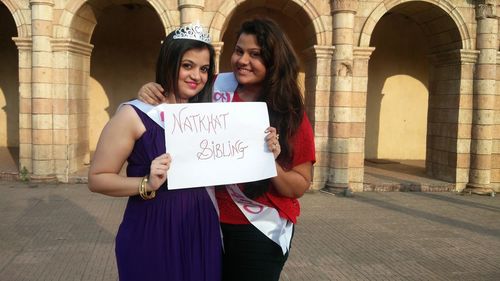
point(265, 68)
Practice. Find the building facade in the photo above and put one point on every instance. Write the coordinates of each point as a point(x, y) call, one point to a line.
point(382, 79)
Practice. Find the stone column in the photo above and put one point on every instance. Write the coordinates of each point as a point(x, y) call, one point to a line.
point(71, 69)
point(358, 117)
point(468, 59)
point(484, 98)
point(218, 51)
point(340, 113)
point(191, 10)
point(25, 141)
point(41, 89)
point(317, 98)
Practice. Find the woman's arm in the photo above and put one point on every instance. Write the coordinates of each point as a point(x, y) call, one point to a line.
point(115, 144)
point(151, 93)
point(295, 182)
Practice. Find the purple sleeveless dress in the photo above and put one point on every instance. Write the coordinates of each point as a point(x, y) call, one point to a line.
point(176, 235)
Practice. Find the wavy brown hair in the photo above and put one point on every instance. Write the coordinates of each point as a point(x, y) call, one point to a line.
point(280, 89)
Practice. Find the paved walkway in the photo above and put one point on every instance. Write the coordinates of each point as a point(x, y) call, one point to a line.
point(62, 232)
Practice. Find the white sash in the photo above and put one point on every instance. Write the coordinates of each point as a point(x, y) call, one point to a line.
point(149, 110)
point(157, 116)
point(266, 219)
point(224, 87)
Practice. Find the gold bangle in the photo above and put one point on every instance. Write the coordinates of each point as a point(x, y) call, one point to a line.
point(152, 193)
point(143, 192)
point(141, 189)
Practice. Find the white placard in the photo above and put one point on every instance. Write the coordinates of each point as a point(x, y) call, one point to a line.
point(217, 143)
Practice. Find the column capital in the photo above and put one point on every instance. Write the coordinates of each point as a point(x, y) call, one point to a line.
point(199, 4)
point(23, 43)
point(42, 2)
point(350, 6)
point(362, 52)
point(449, 57)
point(469, 56)
point(486, 9)
point(218, 46)
point(320, 51)
point(72, 45)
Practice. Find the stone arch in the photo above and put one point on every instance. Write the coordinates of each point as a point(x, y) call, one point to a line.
point(322, 34)
point(63, 29)
point(445, 64)
point(73, 55)
point(387, 5)
point(22, 23)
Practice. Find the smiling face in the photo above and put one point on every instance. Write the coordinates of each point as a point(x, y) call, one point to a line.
point(247, 62)
point(193, 73)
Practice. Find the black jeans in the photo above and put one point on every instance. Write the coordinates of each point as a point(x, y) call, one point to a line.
point(250, 255)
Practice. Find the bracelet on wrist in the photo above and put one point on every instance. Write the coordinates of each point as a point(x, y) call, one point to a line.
point(143, 190)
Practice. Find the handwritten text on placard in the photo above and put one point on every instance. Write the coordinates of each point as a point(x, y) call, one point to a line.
point(217, 143)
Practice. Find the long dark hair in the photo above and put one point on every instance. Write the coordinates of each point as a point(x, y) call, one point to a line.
point(169, 62)
point(280, 89)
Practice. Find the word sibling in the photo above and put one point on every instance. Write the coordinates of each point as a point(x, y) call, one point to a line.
point(212, 150)
point(197, 123)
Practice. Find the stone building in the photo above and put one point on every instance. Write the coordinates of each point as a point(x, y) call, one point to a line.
point(382, 79)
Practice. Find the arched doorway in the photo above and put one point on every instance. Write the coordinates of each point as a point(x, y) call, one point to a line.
point(398, 93)
point(126, 43)
point(9, 94)
point(112, 52)
point(413, 93)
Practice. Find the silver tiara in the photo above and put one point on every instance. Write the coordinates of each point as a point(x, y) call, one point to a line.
point(193, 31)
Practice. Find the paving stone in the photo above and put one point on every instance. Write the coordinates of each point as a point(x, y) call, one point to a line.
point(63, 232)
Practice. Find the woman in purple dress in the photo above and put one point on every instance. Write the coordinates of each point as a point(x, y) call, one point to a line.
point(165, 234)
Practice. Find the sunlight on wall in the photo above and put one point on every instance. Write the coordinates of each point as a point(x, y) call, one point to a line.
point(403, 118)
point(3, 119)
point(397, 100)
point(99, 104)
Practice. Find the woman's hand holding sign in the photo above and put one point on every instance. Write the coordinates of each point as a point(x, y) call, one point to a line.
point(158, 172)
point(272, 140)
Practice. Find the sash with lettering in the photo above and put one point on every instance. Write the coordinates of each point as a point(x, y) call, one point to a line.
point(157, 116)
point(266, 219)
